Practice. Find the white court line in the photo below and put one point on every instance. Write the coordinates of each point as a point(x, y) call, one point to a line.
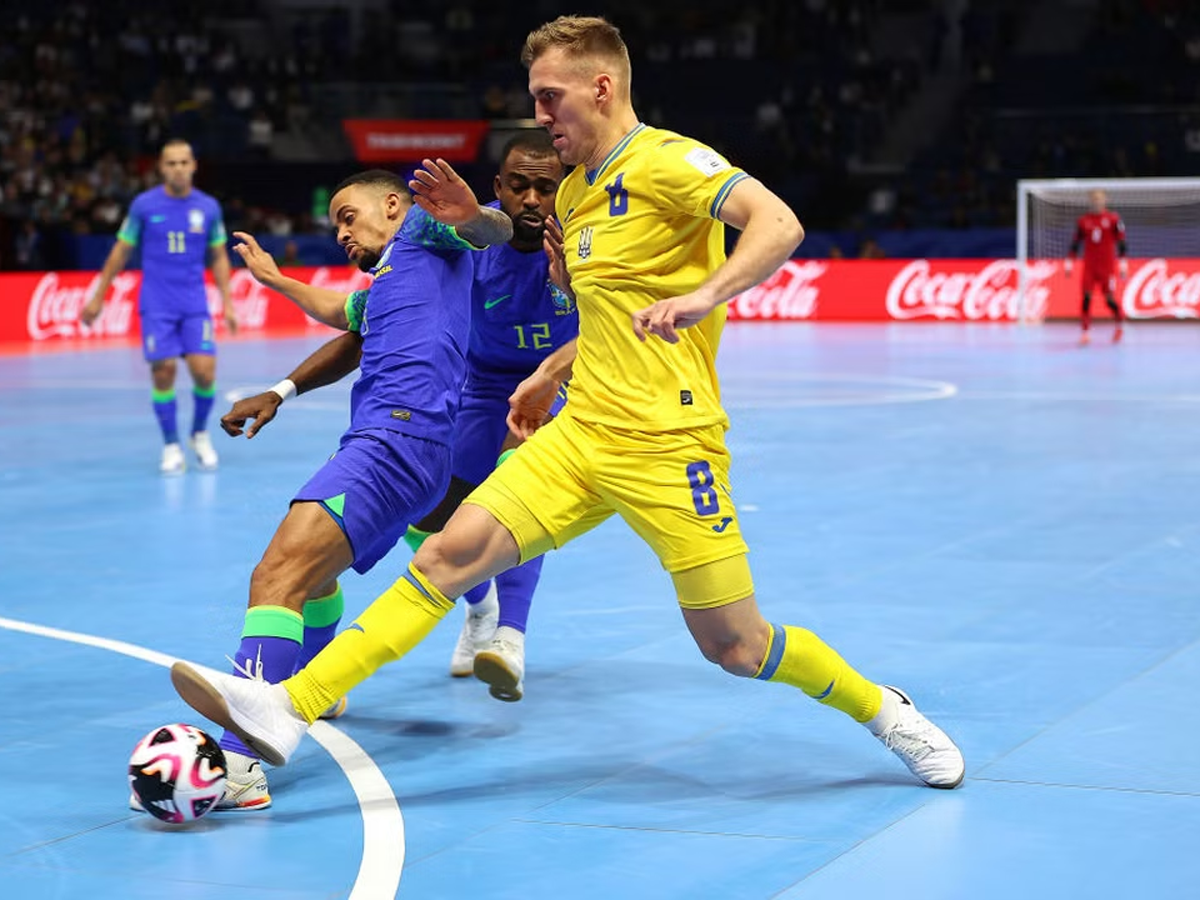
point(383, 825)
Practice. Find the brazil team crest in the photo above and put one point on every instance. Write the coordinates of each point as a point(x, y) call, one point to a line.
point(563, 304)
point(196, 221)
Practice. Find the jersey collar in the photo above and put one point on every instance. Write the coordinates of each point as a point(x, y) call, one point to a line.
point(613, 154)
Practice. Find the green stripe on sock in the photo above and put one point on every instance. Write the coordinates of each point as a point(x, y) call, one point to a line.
point(162, 396)
point(274, 621)
point(324, 611)
point(205, 392)
point(415, 537)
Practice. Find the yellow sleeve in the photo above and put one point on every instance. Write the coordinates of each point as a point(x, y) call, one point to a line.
point(691, 178)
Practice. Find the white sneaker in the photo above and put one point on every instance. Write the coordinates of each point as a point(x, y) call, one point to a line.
point(202, 446)
point(501, 664)
point(259, 713)
point(173, 462)
point(245, 784)
point(478, 628)
point(922, 746)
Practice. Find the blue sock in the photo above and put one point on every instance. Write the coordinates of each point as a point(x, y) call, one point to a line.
point(515, 590)
point(270, 639)
point(321, 618)
point(164, 410)
point(202, 405)
point(477, 593)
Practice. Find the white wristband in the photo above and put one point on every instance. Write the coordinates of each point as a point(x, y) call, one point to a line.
point(285, 389)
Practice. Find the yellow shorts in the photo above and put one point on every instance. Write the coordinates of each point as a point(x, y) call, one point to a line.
point(672, 488)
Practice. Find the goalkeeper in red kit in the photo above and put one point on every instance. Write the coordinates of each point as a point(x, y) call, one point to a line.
point(1101, 233)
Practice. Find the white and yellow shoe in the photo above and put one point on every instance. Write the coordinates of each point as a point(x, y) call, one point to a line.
point(479, 625)
point(501, 664)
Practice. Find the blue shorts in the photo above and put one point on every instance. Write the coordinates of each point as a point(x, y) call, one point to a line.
point(169, 336)
point(376, 484)
point(482, 426)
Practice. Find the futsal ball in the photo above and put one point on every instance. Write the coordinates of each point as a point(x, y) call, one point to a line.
point(177, 773)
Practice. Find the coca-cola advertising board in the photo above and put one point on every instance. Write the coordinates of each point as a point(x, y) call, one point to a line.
point(960, 290)
point(41, 309)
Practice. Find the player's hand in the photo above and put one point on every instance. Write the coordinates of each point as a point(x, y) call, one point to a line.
point(552, 242)
point(91, 311)
point(442, 193)
point(666, 317)
point(261, 408)
point(260, 263)
point(231, 321)
point(1068, 265)
point(1123, 268)
point(530, 403)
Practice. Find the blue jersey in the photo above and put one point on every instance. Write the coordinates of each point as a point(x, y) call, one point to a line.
point(517, 315)
point(174, 234)
point(414, 320)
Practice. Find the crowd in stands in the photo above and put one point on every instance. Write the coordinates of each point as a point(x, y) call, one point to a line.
point(794, 90)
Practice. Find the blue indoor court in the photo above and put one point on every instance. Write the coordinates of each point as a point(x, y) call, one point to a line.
point(991, 517)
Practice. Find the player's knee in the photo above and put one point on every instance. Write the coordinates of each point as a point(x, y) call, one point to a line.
point(272, 582)
point(736, 654)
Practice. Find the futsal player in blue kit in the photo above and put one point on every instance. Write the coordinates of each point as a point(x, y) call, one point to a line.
point(518, 317)
point(178, 227)
point(392, 465)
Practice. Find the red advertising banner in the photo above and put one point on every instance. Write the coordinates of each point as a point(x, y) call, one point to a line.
point(411, 140)
point(960, 290)
point(41, 309)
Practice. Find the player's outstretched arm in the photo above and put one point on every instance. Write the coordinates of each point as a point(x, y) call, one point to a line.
point(442, 193)
point(322, 304)
point(330, 362)
point(770, 233)
point(117, 257)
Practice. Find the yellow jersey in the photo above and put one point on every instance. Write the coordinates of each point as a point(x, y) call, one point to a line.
point(643, 227)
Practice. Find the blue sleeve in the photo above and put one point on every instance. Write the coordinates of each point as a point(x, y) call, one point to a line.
point(130, 231)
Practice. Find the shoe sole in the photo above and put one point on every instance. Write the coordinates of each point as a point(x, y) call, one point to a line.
point(492, 671)
point(207, 700)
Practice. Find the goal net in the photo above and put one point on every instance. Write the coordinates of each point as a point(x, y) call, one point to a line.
point(1161, 216)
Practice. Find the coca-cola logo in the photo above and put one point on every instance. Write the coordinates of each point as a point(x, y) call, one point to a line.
point(991, 294)
point(54, 308)
point(1155, 292)
point(344, 281)
point(788, 294)
point(249, 298)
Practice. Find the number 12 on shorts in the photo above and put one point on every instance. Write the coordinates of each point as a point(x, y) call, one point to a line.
point(704, 488)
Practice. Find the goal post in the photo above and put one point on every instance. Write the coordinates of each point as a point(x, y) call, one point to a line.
point(1161, 216)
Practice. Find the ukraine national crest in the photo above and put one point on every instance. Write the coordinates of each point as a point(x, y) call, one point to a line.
point(585, 242)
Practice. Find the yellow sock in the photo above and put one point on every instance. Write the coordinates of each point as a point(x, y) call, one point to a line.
point(396, 622)
point(798, 657)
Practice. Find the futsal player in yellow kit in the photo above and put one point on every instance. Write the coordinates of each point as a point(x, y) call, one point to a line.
point(642, 436)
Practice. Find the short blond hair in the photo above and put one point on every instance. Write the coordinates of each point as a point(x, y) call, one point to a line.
point(580, 36)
